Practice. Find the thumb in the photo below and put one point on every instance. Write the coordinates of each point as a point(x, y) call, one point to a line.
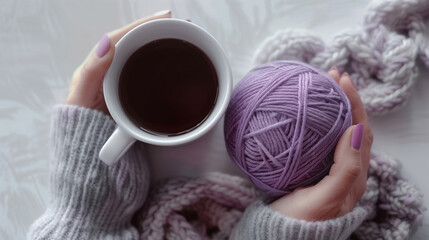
point(347, 165)
point(98, 62)
point(86, 88)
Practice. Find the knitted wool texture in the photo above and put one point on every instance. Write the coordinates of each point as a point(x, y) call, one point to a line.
point(209, 208)
point(283, 123)
point(195, 209)
point(90, 200)
point(395, 205)
point(380, 55)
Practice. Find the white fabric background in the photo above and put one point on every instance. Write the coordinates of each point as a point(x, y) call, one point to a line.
point(42, 42)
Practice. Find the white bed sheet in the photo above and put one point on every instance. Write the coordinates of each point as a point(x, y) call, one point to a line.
point(42, 42)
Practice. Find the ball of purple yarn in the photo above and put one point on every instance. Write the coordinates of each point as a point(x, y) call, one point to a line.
point(283, 123)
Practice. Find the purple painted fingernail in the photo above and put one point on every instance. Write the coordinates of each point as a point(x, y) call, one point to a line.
point(334, 68)
point(345, 74)
point(103, 46)
point(357, 136)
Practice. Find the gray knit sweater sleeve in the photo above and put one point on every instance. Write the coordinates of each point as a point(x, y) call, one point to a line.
point(90, 200)
point(260, 222)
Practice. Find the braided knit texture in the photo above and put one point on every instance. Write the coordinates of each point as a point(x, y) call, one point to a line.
point(212, 208)
point(395, 205)
point(205, 208)
point(380, 55)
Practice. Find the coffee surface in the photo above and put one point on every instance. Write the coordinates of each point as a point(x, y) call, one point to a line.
point(168, 87)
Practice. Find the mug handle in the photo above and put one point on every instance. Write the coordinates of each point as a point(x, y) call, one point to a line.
point(117, 144)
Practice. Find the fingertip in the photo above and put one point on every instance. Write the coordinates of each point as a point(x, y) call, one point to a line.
point(103, 46)
point(346, 81)
point(346, 152)
point(98, 62)
point(163, 13)
point(357, 136)
point(350, 142)
point(335, 74)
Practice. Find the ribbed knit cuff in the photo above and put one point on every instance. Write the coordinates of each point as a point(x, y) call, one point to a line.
point(90, 200)
point(260, 222)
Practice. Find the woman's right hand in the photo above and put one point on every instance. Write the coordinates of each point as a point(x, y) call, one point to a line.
point(337, 193)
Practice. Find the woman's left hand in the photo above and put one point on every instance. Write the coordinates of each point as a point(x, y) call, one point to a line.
point(87, 84)
point(337, 193)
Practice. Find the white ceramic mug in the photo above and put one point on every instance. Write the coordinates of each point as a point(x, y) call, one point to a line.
point(127, 133)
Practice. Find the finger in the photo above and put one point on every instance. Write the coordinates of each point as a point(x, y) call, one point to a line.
point(116, 35)
point(346, 169)
point(98, 63)
point(88, 79)
point(359, 116)
point(358, 110)
point(335, 74)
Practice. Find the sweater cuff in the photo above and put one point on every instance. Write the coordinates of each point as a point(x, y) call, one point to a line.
point(90, 200)
point(80, 128)
point(259, 221)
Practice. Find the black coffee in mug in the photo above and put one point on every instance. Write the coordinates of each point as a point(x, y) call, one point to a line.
point(168, 87)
